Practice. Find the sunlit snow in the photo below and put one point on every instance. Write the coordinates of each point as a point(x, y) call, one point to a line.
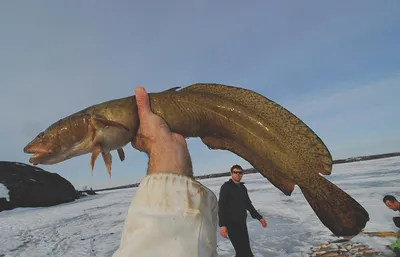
point(92, 226)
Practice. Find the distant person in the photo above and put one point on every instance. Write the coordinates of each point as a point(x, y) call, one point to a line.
point(234, 202)
point(171, 213)
point(392, 203)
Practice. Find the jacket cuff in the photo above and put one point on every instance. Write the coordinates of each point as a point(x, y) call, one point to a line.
point(173, 210)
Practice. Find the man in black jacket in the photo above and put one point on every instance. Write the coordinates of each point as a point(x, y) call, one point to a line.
point(234, 202)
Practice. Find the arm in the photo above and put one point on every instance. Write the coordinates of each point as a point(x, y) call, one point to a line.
point(160, 221)
point(167, 151)
point(251, 208)
point(395, 244)
point(222, 204)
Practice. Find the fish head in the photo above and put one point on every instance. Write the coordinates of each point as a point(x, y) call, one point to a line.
point(62, 140)
point(41, 147)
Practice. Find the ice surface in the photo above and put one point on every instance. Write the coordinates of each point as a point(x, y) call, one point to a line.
point(92, 226)
point(4, 192)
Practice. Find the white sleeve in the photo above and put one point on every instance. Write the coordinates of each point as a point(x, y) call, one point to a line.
point(170, 215)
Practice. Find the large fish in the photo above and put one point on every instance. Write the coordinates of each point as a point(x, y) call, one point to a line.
point(277, 143)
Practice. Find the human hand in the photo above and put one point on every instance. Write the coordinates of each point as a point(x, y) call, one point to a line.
point(223, 231)
point(263, 223)
point(167, 151)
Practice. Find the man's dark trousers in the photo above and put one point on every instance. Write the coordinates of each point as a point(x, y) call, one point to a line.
point(239, 236)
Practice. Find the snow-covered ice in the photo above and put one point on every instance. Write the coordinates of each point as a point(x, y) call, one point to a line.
point(4, 192)
point(92, 226)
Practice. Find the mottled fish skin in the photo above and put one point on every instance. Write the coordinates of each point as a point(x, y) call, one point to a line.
point(282, 126)
point(283, 137)
point(277, 143)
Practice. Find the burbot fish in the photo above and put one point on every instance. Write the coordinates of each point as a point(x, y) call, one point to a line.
point(277, 143)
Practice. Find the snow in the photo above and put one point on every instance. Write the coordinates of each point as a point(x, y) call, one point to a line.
point(92, 226)
point(4, 192)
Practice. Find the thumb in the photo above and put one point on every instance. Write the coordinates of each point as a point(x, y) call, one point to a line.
point(143, 103)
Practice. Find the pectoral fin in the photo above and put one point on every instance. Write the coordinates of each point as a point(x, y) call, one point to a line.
point(121, 154)
point(96, 151)
point(99, 121)
point(108, 161)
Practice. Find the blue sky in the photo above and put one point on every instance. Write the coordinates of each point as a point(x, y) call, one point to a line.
point(336, 65)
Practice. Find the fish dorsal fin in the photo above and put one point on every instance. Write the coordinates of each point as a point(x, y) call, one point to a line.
point(289, 127)
point(172, 89)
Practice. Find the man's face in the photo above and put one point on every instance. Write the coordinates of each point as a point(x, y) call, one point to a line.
point(237, 175)
point(392, 205)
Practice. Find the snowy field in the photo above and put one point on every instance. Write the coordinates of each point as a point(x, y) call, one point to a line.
point(4, 192)
point(92, 226)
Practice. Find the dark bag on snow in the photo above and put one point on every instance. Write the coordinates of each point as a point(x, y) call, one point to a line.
point(396, 221)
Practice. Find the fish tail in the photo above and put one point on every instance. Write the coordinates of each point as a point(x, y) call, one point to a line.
point(337, 210)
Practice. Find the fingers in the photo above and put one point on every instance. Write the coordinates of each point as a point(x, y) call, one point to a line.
point(179, 138)
point(224, 232)
point(263, 223)
point(143, 102)
point(139, 143)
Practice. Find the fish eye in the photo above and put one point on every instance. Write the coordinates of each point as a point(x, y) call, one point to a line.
point(40, 135)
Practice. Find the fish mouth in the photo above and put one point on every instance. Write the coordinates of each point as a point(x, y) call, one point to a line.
point(38, 158)
point(38, 154)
